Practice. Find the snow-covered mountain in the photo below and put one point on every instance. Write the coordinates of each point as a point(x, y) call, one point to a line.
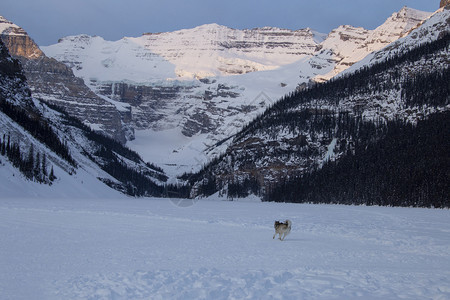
point(202, 85)
point(403, 83)
point(55, 82)
point(428, 30)
point(46, 152)
point(347, 45)
point(18, 41)
point(183, 119)
point(205, 51)
point(213, 50)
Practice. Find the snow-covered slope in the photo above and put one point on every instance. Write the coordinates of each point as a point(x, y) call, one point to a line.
point(150, 249)
point(433, 27)
point(84, 184)
point(15, 92)
point(204, 51)
point(347, 45)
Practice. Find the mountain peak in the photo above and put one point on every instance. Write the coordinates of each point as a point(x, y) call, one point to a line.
point(17, 40)
point(9, 28)
point(412, 13)
point(399, 24)
point(211, 26)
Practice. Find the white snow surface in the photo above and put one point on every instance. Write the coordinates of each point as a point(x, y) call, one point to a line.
point(126, 248)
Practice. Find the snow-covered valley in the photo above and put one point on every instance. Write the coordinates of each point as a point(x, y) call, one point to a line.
point(127, 248)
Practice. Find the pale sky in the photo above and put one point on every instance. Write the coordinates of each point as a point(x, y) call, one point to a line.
point(48, 20)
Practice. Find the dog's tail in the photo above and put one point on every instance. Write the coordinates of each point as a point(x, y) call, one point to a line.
point(289, 223)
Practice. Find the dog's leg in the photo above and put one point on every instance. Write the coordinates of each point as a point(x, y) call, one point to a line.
point(282, 238)
point(274, 236)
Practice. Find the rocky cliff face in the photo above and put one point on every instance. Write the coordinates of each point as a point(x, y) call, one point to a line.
point(12, 80)
point(17, 40)
point(55, 82)
point(444, 3)
point(212, 50)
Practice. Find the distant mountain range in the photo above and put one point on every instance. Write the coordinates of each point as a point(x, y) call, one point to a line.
point(187, 82)
point(181, 99)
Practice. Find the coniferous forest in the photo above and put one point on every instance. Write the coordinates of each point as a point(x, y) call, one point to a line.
point(409, 166)
point(33, 165)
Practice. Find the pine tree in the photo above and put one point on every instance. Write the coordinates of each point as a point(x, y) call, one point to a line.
point(52, 176)
point(29, 163)
point(3, 146)
point(37, 168)
point(8, 145)
point(44, 166)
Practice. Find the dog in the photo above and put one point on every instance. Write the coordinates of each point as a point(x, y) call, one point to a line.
point(282, 229)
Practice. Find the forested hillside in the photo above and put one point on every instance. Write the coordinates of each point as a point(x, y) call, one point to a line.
point(325, 123)
point(408, 166)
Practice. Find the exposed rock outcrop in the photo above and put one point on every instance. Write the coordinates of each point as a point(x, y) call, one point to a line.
point(17, 40)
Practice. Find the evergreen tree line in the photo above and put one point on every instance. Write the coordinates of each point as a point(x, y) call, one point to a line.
point(106, 141)
point(136, 182)
point(431, 89)
point(409, 166)
point(10, 68)
point(32, 165)
point(38, 128)
point(320, 125)
point(133, 181)
point(241, 189)
point(96, 136)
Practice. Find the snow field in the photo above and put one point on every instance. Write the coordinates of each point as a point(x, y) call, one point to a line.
point(151, 249)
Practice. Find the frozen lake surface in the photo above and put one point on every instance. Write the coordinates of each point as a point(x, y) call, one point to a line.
point(152, 249)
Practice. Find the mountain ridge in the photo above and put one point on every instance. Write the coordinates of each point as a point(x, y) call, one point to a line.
point(187, 79)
